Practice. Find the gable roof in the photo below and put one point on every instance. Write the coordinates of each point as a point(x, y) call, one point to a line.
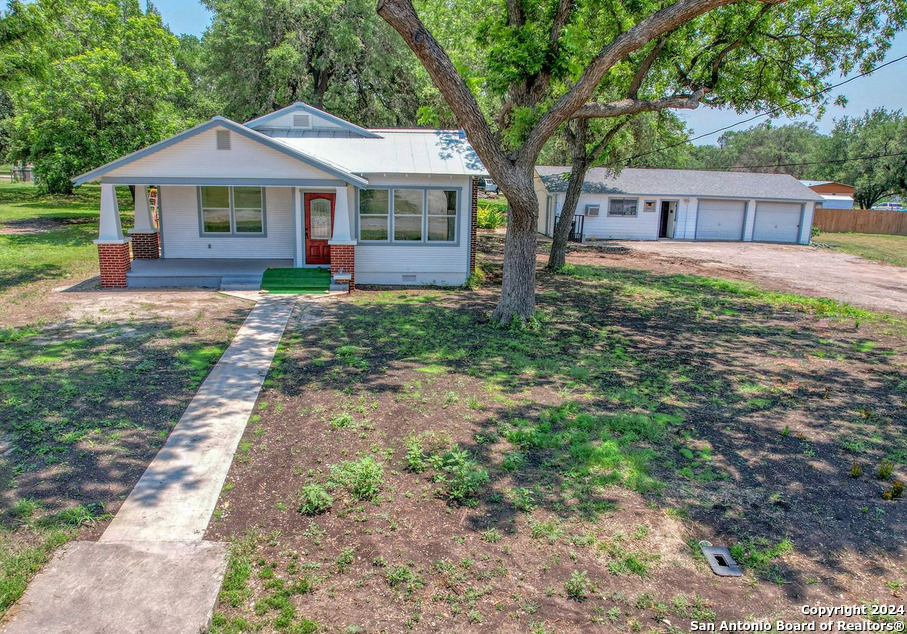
point(322, 164)
point(260, 122)
point(691, 183)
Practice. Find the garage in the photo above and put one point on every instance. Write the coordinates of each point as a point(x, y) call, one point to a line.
point(777, 222)
point(720, 220)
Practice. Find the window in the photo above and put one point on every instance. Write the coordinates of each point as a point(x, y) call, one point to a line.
point(232, 210)
point(408, 216)
point(622, 206)
point(442, 215)
point(592, 210)
point(649, 206)
point(374, 208)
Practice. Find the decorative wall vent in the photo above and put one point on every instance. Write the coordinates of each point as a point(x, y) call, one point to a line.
point(409, 279)
point(302, 121)
point(223, 139)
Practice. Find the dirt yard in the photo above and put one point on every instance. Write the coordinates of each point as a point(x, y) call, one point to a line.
point(807, 270)
point(411, 467)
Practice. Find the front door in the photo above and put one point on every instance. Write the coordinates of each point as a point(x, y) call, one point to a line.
point(319, 224)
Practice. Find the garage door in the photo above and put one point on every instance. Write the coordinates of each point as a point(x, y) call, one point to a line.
point(777, 222)
point(720, 220)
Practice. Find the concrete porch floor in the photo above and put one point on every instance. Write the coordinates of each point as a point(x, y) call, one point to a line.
point(203, 272)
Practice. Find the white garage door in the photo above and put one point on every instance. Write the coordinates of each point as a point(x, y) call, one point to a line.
point(720, 220)
point(777, 222)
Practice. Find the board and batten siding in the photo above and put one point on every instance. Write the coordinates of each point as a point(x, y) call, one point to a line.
point(180, 237)
point(198, 157)
point(421, 264)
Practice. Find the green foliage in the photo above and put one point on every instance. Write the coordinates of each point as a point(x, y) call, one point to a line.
point(491, 214)
point(314, 499)
point(578, 585)
point(460, 476)
point(362, 479)
point(100, 82)
point(759, 555)
point(338, 56)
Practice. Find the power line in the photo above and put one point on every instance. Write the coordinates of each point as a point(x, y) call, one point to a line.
point(771, 111)
point(828, 162)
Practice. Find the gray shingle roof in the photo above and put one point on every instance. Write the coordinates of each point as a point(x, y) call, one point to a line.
point(693, 183)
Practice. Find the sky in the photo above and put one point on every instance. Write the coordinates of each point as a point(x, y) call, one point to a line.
point(887, 87)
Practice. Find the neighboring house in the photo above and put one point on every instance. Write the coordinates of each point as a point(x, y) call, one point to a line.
point(647, 204)
point(835, 195)
point(294, 188)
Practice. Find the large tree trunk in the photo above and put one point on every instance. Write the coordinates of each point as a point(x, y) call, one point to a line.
point(558, 256)
point(517, 299)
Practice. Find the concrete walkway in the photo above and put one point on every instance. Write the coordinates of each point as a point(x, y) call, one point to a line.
point(150, 571)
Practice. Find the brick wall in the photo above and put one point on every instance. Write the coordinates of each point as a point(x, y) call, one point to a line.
point(473, 225)
point(343, 256)
point(114, 263)
point(146, 246)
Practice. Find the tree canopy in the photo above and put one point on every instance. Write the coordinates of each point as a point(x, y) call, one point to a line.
point(89, 81)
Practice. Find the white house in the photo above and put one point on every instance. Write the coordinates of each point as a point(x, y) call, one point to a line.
point(294, 188)
point(648, 204)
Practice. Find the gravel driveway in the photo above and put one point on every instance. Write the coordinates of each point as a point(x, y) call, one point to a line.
point(805, 270)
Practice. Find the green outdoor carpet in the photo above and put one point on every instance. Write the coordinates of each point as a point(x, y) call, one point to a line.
point(289, 281)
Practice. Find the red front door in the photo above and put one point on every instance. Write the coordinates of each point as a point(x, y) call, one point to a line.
point(319, 225)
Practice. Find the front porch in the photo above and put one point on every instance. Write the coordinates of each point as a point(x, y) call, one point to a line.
point(227, 274)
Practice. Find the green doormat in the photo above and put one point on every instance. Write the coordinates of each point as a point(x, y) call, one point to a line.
point(290, 281)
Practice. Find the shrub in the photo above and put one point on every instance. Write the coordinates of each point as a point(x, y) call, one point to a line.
point(415, 458)
point(856, 470)
point(491, 214)
point(313, 499)
point(885, 469)
point(578, 585)
point(461, 476)
point(363, 479)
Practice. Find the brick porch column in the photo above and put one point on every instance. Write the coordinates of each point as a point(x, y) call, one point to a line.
point(113, 247)
point(146, 239)
point(343, 259)
point(115, 262)
point(473, 225)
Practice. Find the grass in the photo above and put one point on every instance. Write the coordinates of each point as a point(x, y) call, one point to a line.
point(891, 249)
point(577, 455)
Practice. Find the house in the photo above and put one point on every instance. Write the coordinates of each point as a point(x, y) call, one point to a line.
point(648, 204)
point(834, 195)
point(295, 188)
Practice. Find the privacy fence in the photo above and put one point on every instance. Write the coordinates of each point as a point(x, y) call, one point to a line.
point(861, 221)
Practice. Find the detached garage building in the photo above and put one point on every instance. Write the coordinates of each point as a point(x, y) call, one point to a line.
point(647, 204)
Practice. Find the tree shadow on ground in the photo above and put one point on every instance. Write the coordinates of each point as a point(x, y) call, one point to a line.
point(744, 416)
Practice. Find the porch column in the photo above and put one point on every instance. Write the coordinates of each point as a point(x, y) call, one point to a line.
point(113, 247)
point(343, 247)
point(146, 240)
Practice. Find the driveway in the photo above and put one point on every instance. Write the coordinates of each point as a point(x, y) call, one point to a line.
point(806, 270)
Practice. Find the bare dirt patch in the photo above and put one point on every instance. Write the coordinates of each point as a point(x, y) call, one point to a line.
point(38, 224)
point(645, 413)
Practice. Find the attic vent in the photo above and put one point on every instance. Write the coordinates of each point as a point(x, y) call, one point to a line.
point(409, 279)
point(302, 121)
point(223, 139)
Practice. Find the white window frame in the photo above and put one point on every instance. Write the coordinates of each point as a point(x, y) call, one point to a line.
point(232, 209)
point(635, 213)
point(425, 216)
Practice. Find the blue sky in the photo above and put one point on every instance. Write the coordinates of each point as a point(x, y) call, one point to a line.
point(887, 87)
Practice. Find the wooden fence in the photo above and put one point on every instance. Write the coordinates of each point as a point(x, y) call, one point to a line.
point(892, 223)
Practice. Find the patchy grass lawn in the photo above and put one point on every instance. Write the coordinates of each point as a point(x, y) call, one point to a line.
point(412, 467)
point(891, 249)
point(91, 382)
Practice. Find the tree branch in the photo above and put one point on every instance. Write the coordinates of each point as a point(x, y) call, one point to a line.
point(650, 28)
point(401, 15)
point(597, 110)
point(645, 66)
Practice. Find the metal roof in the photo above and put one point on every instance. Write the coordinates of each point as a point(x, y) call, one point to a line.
point(692, 183)
point(441, 152)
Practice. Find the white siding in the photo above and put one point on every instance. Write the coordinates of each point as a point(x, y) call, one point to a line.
point(541, 195)
point(643, 226)
point(720, 219)
point(198, 157)
point(806, 229)
point(777, 222)
point(180, 228)
point(444, 265)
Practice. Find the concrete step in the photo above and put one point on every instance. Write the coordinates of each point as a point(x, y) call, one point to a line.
point(241, 282)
